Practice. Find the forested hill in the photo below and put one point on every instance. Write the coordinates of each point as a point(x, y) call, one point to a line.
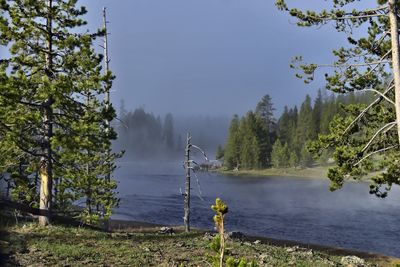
point(260, 140)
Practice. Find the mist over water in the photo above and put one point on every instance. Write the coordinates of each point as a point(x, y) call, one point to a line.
point(284, 208)
point(151, 180)
point(146, 136)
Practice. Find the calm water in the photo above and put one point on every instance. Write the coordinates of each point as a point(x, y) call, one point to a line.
point(284, 208)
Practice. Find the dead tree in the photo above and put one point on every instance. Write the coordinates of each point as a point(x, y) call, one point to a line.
point(106, 69)
point(189, 165)
point(107, 95)
point(187, 184)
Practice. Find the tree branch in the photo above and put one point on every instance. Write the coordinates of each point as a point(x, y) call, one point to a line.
point(376, 101)
point(348, 16)
point(386, 127)
point(356, 64)
point(381, 94)
point(373, 153)
point(381, 59)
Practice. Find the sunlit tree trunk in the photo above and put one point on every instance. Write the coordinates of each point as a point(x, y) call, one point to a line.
point(46, 166)
point(394, 31)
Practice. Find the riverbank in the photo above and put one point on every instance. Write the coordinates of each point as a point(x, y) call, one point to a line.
point(319, 172)
point(136, 244)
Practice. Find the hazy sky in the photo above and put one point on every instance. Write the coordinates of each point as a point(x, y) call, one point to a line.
point(208, 56)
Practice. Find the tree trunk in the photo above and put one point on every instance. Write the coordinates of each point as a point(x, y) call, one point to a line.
point(107, 100)
point(187, 186)
point(394, 31)
point(88, 192)
point(46, 170)
point(46, 166)
point(45, 192)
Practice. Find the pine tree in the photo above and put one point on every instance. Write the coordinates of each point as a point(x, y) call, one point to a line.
point(371, 59)
point(306, 158)
point(265, 111)
point(317, 114)
point(305, 129)
point(328, 112)
point(51, 70)
point(263, 137)
point(284, 126)
point(280, 155)
point(232, 146)
point(293, 159)
point(168, 131)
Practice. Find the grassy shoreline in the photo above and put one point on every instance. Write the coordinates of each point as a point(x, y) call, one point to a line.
point(319, 172)
point(142, 245)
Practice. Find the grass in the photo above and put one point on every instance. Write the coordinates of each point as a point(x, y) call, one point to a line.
point(31, 245)
point(314, 172)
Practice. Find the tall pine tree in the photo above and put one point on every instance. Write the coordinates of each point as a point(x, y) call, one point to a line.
point(45, 117)
point(232, 147)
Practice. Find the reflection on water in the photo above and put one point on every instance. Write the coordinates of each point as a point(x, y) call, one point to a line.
point(285, 208)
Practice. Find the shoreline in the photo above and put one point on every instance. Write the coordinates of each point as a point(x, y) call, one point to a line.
point(126, 229)
point(319, 172)
point(314, 173)
point(135, 226)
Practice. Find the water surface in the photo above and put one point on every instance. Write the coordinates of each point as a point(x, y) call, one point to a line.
point(298, 209)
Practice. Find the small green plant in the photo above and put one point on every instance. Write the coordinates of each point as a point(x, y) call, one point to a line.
point(218, 243)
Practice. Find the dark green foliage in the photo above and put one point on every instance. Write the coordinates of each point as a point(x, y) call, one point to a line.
point(249, 142)
point(363, 138)
point(306, 158)
point(305, 124)
point(280, 155)
point(317, 114)
point(53, 79)
point(265, 111)
point(232, 147)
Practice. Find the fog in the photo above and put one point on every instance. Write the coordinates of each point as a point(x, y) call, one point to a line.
point(145, 136)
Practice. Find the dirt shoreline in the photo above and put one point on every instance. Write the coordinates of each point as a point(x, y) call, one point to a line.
point(123, 225)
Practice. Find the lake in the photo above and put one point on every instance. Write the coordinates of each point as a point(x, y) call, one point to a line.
point(297, 209)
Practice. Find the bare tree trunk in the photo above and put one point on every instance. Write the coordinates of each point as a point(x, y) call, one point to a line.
point(186, 217)
point(46, 166)
point(394, 31)
point(107, 68)
point(107, 99)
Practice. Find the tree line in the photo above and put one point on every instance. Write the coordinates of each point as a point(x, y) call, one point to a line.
point(54, 132)
point(259, 140)
point(144, 135)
